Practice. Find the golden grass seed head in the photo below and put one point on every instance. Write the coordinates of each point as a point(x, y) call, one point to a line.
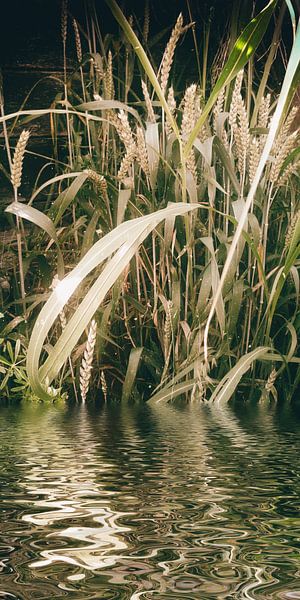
point(77, 41)
point(235, 98)
point(219, 106)
point(271, 380)
point(125, 132)
point(142, 154)
point(99, 180)
point(264, 111)
point(126, 164)
point(17, 163)
point(172, 106)
point(188, 111)
point(108, 79)
point(86, 363)
point(168, 56)
point(103, 385)
point(292, 169)
point(146, 25)
point(168, 326)
point(291, 228)
point(254, 156)
point(148, 103)
point(283, 146)
point(64, 20)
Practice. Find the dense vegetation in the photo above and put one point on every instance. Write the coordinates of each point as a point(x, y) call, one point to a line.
point(166, 255)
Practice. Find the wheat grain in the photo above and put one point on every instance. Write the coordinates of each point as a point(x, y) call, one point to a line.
point(168, 56)
point(263, 112)
point(146, 25)
point(86, 363)
point(235, 99)
point(188, 123)
point(293, 168)
point(103, 385)
point(219, 107)
point(108, 79)
point(172, 106)
point(64, 20)
point(77, 41)
point(244, 135)
point(284, 145)
point(254, 156)
point(271, 380)
point(291, 229)
point(142, 154)
point(148, 103)
point(99, 180)
point(168, 327)
point(17, 163)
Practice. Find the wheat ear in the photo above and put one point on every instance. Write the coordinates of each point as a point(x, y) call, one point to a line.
point(77, 41)
point(17, 163)
point(16, 177)
point(148, 103)
point(86, 363)
point(168, 56)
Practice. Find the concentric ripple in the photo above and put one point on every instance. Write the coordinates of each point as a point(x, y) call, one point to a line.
point(132, 502)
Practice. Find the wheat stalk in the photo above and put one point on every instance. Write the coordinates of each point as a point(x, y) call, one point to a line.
point(86, 363)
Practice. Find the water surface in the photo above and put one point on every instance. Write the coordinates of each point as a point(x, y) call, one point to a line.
point(131, 502)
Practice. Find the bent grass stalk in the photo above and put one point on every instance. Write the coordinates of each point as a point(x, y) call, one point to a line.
point(16, 177)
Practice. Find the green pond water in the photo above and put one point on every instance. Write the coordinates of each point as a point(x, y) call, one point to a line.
point(134, 502)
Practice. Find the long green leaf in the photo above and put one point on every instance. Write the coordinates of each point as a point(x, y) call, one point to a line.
point(140, 52)
point(242, 51)
point(227, 386)
point(133, 365)
point(38, 218)
point(288, 79)
point(125, 239)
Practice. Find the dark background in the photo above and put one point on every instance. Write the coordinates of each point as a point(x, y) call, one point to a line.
point(33, 26)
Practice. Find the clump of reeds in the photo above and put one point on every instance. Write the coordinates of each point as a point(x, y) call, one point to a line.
point(150, 142)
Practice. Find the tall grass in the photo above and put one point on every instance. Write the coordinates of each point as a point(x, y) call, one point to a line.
point(176, 222)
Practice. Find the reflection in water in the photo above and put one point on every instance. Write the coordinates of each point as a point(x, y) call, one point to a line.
point(72, 495)
point(138, 502)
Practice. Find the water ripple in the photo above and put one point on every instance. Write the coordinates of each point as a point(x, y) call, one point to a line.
point(138, 503)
